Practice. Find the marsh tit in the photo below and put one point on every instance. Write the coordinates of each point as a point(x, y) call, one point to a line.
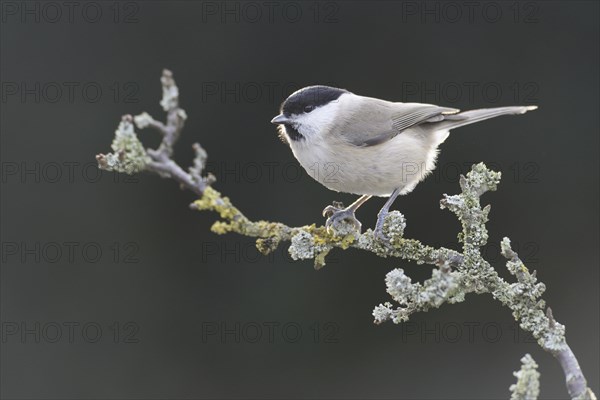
point(367, 146)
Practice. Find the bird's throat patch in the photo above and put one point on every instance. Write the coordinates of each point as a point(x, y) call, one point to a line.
point(292, 133)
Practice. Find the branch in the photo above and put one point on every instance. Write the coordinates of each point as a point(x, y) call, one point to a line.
point(457, 274)
point(130, 157)
point(521, 297)
point(315, 242)
point(476, 275)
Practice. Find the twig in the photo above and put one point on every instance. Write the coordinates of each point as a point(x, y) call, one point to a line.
point(528, 381)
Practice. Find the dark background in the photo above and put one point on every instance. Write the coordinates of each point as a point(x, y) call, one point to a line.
point(172, 278)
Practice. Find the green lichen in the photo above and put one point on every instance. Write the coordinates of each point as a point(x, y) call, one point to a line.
point(213, 201)
point(267, 245)
point(129, 155)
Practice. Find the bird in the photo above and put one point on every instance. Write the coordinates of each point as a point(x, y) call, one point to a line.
point(368, 146)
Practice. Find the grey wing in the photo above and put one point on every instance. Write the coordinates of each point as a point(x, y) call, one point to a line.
point(390, 120)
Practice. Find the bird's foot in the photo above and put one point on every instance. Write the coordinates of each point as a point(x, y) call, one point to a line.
point(340, 220)
point(389, 228)
point(378, 233)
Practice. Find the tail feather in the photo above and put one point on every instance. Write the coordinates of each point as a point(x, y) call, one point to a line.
point(469, 117)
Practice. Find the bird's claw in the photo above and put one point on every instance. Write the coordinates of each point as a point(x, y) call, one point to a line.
point(339, 219)
point(330, 210)
point(381, 237)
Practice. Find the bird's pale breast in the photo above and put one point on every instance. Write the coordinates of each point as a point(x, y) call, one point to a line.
point(401, 162)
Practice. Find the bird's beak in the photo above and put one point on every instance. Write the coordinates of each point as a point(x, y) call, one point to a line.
point(280, 119)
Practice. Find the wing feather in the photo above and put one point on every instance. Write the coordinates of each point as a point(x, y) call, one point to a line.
point(392, 119)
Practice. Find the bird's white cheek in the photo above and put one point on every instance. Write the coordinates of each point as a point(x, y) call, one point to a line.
point(313, 124)
point(308, 131)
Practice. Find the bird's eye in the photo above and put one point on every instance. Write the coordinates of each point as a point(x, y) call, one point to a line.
point(308, 108)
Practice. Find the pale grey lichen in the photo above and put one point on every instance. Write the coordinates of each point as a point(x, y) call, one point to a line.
point(384, 312)
point(199, 159)
point(394, 225)
point(302, 246)
point(443, 286)
point(170, 98)
point(197, 169)
point(400, 286)
point(528, 381)
point(143, 120)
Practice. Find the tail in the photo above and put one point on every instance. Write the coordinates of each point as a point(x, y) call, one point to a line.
point(469, 117)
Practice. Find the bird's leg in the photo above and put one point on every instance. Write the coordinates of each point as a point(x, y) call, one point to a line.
point(378, 233)
point(336, 213)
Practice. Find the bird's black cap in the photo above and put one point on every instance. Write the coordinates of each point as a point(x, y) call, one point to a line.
point(316, 96)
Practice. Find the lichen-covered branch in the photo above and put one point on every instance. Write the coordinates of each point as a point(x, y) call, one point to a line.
point(130, 157)
point(476, 275)
point(456, 274)
point(315, 242)
point(522, 297)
